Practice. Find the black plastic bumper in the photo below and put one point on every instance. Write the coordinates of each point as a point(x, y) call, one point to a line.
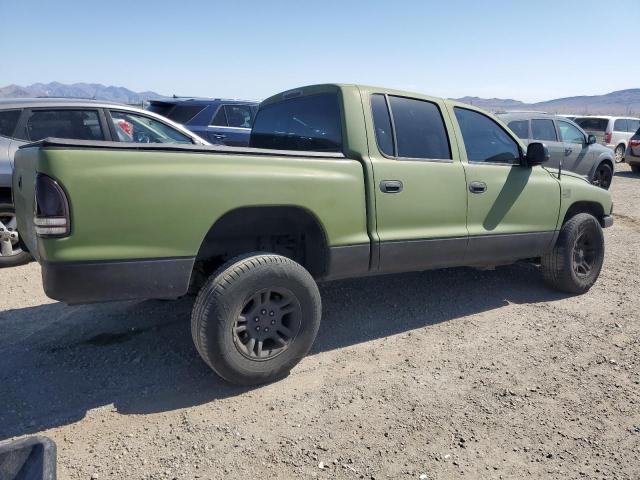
point(105, 281)
point(607, 221)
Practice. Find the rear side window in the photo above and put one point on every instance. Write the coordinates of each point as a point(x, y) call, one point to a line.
point(311, 122)
point(161, 108)
point(8, 122)
point(74, 124)
point(184, 113)
point(238, 116)
point(520, 128)
point(382, 124)
point(592, 124)
point(219, 118)
point(419, 129)
point(632, 125)
point(484, 140)
point(620, 125)
point(543, 130)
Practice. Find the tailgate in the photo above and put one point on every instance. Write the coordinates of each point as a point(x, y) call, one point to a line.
point(24, 181)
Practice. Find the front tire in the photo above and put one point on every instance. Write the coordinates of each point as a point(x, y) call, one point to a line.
point(603, 176)
point(256, 318)
point(11, 253)
point(619, 153)
point(574, 263)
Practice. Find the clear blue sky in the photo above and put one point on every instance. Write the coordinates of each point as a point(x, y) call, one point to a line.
point(528, 50)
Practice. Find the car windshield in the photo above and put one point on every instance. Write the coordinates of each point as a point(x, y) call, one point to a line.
point(593, 124)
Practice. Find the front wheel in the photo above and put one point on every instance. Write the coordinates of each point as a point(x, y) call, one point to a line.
point(619, 153)
point(256, 318)
point(11, 253)
point(602, 176)
point(574, 263)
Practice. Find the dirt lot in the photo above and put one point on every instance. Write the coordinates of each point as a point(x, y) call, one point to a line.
point(449, 374)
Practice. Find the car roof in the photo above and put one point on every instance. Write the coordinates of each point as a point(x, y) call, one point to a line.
point(526, 115)
point(6, 103)
point(201, 101)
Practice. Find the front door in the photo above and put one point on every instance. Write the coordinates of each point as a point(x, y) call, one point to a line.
point(513, 209)
point(544, 130)
point(420, 194)
point(577, 155)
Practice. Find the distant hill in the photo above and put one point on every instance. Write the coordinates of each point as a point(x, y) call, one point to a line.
point(78, 90)
point(622, 102)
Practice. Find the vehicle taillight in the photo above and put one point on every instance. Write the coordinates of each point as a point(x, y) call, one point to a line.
point(52, 208)
point(607, 137)
point(634, 143)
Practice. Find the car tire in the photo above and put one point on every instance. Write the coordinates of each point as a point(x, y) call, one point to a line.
point(17, 256)
point(574, 263)
point(635, 168)
point(255, 318)
point(619, 153)
point(602, 176)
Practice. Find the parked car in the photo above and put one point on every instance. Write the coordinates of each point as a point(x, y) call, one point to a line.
point(224, 122)
point(567, 143)
point(612, 132)
point(28, 120)
point(632, 155)
point(343, 181)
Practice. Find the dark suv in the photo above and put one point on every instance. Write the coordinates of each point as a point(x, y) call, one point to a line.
point(225, 122)
point(29, 120)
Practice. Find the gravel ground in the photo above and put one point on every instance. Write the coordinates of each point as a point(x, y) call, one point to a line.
point(447, 374)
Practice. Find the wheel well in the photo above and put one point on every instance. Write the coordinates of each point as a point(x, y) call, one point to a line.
point(592, 208)
point(5, 195)
point(289, 231)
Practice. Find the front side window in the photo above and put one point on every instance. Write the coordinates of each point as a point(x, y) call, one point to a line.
point(419, 129)
point(141, 129)
point(74, 124)
point(570, 134)
point(620, 125)
point(382, 124)
point(8, 122)
point(520, 128)
point(484, 140)
point(238, 116)
point(543, 130)
point(310, 122)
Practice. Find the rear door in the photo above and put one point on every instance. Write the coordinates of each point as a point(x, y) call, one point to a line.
point(231, 125)
point(544, 130)
point(420, 189)
point(512, 209)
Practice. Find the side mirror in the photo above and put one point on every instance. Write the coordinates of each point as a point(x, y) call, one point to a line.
point(537, 154)
point(591, 139)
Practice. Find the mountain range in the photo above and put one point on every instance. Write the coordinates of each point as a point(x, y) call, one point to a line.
point(621, 102)
point(78, 90)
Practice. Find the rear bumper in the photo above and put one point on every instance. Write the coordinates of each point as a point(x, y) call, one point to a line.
point(105, 281)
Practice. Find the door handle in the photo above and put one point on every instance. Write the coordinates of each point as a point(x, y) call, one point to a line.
point(568, 151)
point(219, 136)
point(391, 186)
point(477, 187)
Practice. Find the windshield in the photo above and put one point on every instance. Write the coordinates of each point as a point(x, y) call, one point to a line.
point(304, 123)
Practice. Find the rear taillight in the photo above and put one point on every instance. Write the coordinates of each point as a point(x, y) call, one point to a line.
point(52, 208)
point(607, 137)
point(634, 143)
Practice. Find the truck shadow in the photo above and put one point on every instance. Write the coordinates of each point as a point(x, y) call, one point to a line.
point(61, 361)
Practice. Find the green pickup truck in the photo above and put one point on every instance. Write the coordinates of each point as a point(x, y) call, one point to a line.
point(339, 181)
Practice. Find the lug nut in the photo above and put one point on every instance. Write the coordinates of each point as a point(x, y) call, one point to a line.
point(273, 322)
point(266, 329)
point(256, 319)
point(257, 329)
point(272, 313)
point(263, 312)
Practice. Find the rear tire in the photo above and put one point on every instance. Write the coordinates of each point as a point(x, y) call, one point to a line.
point(574, 263)
point(603, 176)
point(17, 255)
point(256, 318)
point(619, 153)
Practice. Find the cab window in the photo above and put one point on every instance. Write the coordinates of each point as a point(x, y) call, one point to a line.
point(570, 134)
point(134, 128)
point(484, 140)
